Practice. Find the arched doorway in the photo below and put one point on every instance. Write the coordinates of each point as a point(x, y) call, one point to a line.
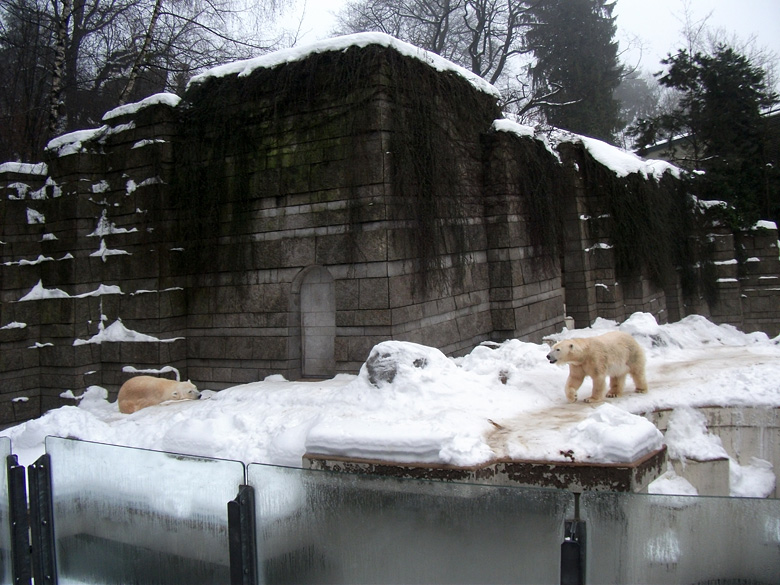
point(318, 323)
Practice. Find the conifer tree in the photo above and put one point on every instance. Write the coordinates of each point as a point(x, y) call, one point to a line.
point(575, 50)
point(718, 128)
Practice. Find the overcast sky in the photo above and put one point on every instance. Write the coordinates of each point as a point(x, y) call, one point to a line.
point(656, 23)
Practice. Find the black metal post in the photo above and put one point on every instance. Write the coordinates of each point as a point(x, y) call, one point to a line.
point(241, 536)
point(42, 522)
point(20, 524)
point(573, 553)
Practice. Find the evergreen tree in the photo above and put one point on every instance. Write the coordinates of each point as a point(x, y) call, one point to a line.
point(719, 129)
point(575, 50)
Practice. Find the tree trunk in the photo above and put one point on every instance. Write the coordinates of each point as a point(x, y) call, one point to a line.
point(141, 57)
point(57, 117)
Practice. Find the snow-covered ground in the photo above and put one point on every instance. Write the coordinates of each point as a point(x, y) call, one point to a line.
point(501, 400)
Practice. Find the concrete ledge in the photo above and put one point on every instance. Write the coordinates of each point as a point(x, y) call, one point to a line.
point(573, 476)
point(710, 478)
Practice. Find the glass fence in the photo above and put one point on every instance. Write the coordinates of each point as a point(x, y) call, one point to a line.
point(641, 538)
point(123, 515)
point(316, 527)
point(121, 512)
point(6, 569)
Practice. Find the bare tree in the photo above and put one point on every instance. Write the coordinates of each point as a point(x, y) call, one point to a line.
point(143, 53)
point(25, 76)
point(480, 35)
point(488, 37)
point(91, 55)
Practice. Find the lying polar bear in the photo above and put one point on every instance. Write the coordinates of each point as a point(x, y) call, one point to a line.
point(142, 391)
point(613, 354)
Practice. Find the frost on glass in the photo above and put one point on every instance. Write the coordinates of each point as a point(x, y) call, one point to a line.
point(125, 515)
point(317, 527)
point(640, 538)
point(6, 575)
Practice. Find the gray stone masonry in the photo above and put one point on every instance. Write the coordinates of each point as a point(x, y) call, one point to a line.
point(281, 223)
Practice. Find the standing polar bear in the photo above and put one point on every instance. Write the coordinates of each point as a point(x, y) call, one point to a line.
point(142, 391)
point(613, 354)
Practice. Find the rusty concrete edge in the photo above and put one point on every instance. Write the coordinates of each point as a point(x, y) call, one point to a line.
point(572, 475)
point(475, 468)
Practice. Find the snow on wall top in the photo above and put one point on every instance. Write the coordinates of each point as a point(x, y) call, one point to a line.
point(621, 162)
point(168, 99)
point(246, 67)
point(765, 224)
point(24, 168)
point(72, 142)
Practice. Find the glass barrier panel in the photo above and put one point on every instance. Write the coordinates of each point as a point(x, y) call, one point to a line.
point(6, 559)
point(315, 527)
point(124, 515)
point(641, 538)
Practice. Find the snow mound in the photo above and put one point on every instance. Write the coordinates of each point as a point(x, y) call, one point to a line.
point(756, 480)
point(612, 435)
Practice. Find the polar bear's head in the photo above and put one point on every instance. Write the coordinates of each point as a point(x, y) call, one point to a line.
point(184, 391)
point(564, 352)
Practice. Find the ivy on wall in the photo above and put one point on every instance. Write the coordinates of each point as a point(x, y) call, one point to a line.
point(652, 227)
point(234, 127)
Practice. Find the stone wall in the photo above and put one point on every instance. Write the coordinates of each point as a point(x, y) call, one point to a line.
point(286, 221)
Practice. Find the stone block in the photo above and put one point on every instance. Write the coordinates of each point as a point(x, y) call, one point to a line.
point(374, 293)
point(297, 251)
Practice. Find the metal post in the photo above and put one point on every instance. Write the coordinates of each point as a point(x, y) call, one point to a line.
point(41, 522)
point(20, 525)
point(573, 553)
point(241, 537)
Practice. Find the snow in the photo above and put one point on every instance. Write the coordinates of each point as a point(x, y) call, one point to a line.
point(106, 227)
point(624, 163)
point(23, 262)
point(765, 225)
point(103, 251)
point(118, 332)
point(167, 99)
point(342, 43)
point(34, 217)
point(72, 142)
point(619, 161)
point(750, 481)
point(103, 289)
point(672, 484)
point(24, 168)
point(39, 292)
point(612, 435)
point(687, 437)
point(410, 403)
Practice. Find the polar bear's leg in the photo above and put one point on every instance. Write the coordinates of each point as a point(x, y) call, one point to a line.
point(638, 375)
point(616, 385)
point(573, 382)
point(599, 388)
